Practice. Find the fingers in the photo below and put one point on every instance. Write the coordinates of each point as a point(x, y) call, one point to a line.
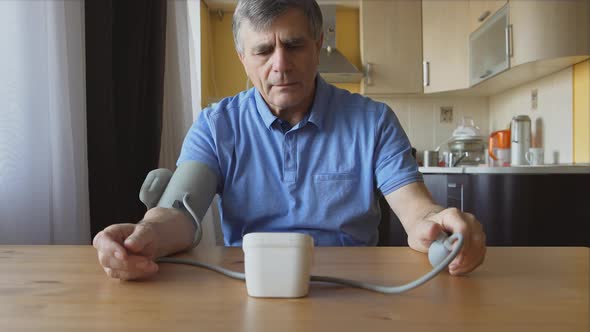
point(135, 274)
point(141, 240)
point(454, 222)
point(110, 239)
point(423, 234)
point(472, 253)
point(131, 267)
point(121, 262)
point(462, 270)
point(472, 259)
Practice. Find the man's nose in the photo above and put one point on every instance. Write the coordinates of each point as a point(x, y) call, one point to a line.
point(280, 60)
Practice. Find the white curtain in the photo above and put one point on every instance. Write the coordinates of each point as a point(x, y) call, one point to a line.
point(182, 94)
point(182, 76)
point(43, 160)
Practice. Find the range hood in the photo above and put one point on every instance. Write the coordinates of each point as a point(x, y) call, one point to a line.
point(334, 67)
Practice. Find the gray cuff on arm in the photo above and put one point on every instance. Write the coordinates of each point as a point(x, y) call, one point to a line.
point(190, 189)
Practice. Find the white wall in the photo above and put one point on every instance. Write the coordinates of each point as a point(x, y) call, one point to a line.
point(419, 117)
point(551, 122)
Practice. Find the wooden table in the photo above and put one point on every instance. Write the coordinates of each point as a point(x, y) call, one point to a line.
point(62, 288)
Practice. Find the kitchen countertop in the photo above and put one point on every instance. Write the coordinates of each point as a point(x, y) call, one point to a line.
point(483, 169)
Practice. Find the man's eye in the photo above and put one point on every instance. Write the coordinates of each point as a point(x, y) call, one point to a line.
point(263, 52)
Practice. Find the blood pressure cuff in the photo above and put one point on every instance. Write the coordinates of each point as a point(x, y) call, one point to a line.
point(189, 189)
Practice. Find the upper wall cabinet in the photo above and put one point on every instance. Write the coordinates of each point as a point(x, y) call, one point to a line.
point(489, 47)
point(481, 10)
point(391, 46)
point(445, 43)
point(231, 4)
point(549, 29)
point(537, 38)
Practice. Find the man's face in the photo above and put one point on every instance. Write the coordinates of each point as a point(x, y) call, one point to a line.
point(282, 61)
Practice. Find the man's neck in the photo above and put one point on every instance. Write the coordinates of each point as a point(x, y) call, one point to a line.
point(295, 114)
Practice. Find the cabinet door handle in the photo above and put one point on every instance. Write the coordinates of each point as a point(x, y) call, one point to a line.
point(484, 15)
point(462, 207)
point(509, 51)
point(454, 185)
point(426, 73)
point(486, 74)
point(368, 73)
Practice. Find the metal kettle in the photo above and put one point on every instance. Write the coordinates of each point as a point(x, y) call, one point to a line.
point(520, 139)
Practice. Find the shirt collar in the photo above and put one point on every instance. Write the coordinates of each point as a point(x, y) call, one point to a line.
point(316, 113)
point(321, 101)
point(267, 116)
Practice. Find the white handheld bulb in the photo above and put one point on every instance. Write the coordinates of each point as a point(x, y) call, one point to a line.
point(438, 250)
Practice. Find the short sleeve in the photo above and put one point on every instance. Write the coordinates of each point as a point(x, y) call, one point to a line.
point(394, 164)
point(199, 145)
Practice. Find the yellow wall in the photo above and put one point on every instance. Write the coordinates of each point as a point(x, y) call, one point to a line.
point(348, 41)
point(230, 77)
point(222, 72)
point(207, 88)
point(582, 112)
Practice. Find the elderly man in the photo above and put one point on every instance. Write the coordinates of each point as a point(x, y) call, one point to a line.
point(294, 154)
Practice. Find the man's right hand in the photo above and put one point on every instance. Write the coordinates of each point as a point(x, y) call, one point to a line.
point(127, 251)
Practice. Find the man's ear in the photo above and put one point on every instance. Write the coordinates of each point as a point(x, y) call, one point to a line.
point(241, 57)
point(318, 45)
point(320, 42)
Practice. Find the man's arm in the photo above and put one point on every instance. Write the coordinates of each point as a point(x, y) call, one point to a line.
point(174, 230)
point(423, 220)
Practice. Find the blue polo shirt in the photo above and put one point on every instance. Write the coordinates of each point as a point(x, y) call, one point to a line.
point(318, 177)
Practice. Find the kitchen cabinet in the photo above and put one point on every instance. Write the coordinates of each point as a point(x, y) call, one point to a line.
point(489, 48)
point(548, 29)
point(391, 46)
point(230, 5)
point(481, 10)
point(542, 37)
point(445, 44)
point(514, 209)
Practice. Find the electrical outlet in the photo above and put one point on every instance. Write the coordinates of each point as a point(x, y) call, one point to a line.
point(534, 99)
point(446, 114)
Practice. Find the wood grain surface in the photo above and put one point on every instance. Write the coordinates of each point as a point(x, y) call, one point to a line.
point(63, 288)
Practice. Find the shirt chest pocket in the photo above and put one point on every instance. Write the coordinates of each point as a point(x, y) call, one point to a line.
point(334, 189)
point(335, 177)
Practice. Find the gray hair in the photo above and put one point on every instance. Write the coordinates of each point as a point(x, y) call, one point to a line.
point(261, 14)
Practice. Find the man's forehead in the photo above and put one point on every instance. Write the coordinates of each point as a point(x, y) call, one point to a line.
point(284, 31)
point(253, 38)
point(270, 37)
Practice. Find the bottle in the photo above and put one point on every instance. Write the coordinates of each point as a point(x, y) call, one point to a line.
point(520, 139)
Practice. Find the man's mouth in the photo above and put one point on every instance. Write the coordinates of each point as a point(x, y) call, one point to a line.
point(284, 84)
